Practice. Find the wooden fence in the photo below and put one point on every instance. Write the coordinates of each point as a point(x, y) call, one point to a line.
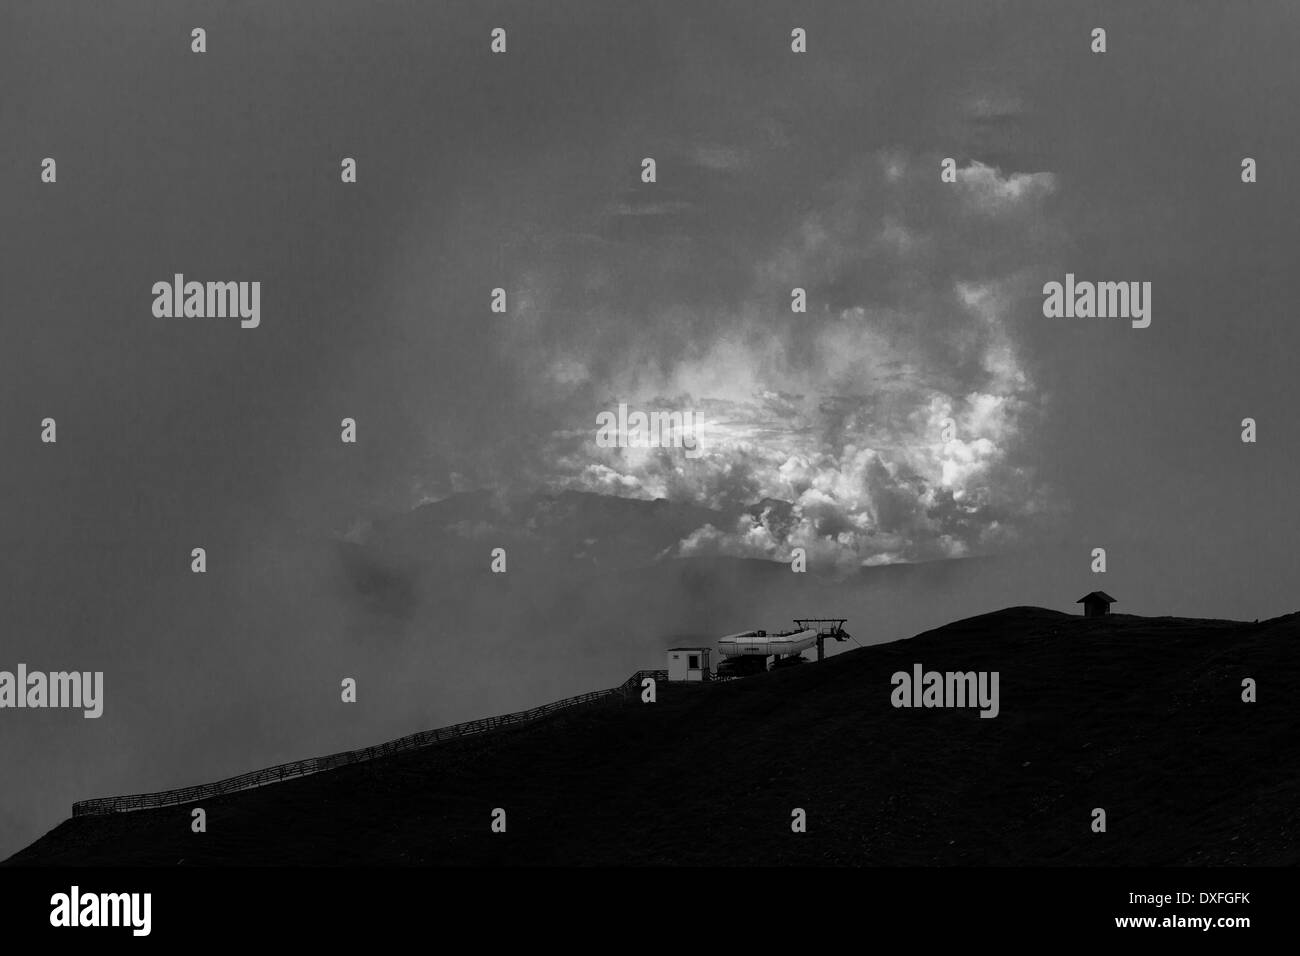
point(301, 768)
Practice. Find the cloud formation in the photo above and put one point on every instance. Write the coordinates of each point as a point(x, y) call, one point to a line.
point(887, 423)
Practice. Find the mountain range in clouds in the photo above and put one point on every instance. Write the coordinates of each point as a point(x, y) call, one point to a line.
point(617, 576)
point(570, 534)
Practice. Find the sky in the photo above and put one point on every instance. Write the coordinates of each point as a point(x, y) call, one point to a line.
point(774, 170)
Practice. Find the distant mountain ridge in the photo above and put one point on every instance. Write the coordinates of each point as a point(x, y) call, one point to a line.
point(571, 526)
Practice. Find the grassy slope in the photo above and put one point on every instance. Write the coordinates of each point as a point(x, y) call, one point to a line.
point(1141, 716)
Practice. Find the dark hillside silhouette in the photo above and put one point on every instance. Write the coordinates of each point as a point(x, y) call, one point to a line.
point(1140, 716)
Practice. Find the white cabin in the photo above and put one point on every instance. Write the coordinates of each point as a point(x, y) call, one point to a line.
point(688, 663)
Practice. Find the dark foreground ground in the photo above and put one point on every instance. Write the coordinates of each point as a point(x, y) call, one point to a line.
point(1140, 716)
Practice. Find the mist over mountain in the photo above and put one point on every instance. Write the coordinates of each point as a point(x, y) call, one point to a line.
point(607, 574)
point(410, 609)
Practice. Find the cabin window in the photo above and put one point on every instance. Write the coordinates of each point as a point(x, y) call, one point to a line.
point(693, 662)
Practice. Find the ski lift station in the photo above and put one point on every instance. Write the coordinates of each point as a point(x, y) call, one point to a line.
point(749, 652)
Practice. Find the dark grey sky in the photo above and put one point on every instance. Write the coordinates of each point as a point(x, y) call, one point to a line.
point(775, 170)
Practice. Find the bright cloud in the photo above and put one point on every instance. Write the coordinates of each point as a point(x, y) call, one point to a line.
point(888, 423)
